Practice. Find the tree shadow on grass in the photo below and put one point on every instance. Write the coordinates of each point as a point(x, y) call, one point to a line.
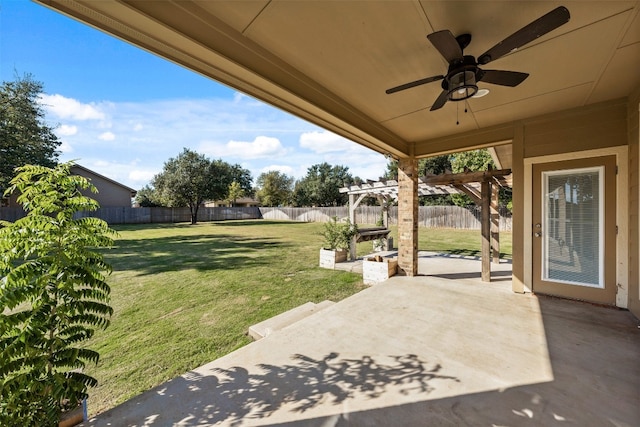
point(260, 222)
point(201, 252)
point(234, 396)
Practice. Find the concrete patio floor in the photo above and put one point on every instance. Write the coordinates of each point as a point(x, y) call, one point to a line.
point(439, 350)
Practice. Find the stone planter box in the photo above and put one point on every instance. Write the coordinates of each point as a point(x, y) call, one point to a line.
point(329, 257)
point(378, 269)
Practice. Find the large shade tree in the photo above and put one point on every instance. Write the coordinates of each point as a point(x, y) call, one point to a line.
point(321, 186)
point(274, 188)
point(190, 179)
point(25, 137)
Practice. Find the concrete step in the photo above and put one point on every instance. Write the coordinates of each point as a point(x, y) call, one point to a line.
point(282, 320)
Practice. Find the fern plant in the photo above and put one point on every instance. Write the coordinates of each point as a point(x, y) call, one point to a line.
point(53, 296)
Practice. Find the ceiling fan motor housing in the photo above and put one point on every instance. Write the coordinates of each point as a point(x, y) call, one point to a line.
point(460, 82)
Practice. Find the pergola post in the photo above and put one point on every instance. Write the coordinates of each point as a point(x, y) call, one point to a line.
point(408, 216)
point(353, 204)
point(485, 225)
point(495, 223)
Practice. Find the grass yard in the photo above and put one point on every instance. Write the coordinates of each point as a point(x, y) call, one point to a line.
point(185, 295)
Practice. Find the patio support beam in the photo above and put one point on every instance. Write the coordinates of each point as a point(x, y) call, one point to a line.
point(408, 216)
point(353, 204)
point(495, 223)
point(486, 230)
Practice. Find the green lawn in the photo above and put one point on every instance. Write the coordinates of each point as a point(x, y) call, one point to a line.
point(184, 295)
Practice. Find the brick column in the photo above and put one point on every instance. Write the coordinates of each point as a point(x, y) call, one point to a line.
point(408, 216)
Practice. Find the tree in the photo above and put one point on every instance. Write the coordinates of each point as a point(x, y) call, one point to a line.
point(147, 197)
point(188, 180)
point(24, 136)
point(191, 178)
point(435, 165)
point(53, 294)
point(234, 192)
point(475, 160)
point(243, 177)
point(274, 188)
point(321, 185)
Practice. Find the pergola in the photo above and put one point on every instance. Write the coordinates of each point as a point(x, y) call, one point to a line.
point(482, 187)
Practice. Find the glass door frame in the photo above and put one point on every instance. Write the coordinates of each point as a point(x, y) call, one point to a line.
point(546, 228)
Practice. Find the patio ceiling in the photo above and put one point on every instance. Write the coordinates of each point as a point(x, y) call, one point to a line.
point(331, 62)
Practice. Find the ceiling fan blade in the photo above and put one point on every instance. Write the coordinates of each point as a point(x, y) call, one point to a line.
point(447, 45)
point(414, 84)
point(502, 78)
point(440, 101)
point(537, 28)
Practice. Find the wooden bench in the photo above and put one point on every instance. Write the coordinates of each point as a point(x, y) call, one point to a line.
point(373, 233)
point(368, 234)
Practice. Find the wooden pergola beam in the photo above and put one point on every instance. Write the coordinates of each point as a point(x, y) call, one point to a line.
point(465, 177)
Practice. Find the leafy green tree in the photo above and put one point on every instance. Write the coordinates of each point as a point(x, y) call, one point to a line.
point(243, 177)
point(274, 188)
point(431, 165)
point(188, 180)
point(147, 197)
point(321, 186)
point(24, 136)
point(53, 296)
point(475, 160)
point(234, 192)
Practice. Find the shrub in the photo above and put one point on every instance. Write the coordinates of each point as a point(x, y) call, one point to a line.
point(53, 295)
point(338, 235)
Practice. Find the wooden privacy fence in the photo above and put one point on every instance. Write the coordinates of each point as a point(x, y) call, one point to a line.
point(428, 216)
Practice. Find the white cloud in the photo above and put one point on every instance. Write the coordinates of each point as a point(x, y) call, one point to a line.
point(258, 137)
point(69, 108)
point(142, 175)
point(65, 148)
point(66, 130)
point(285, 169)
point(324, 142)
point(260, 147)
point(107, 136)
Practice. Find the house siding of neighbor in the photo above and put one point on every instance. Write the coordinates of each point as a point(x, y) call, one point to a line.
point(110, 193)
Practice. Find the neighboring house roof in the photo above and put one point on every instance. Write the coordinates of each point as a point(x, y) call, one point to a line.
point(89, 171)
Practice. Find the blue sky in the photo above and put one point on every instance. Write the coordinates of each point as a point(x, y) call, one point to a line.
point(123, 112)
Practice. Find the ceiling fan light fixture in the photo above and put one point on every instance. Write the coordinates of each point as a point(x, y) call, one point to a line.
point(462, 86)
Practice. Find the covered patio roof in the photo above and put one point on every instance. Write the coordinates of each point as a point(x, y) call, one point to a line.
point(331, 62)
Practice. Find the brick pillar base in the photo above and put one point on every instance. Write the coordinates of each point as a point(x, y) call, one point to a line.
point(408, 216)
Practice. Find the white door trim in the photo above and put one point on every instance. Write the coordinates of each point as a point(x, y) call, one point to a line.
point(622, 214)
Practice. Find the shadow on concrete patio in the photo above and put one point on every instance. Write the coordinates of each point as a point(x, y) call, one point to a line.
point(421, 351)
point(234, 396)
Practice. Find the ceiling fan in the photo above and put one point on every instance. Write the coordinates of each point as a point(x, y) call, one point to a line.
point(464, 73)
